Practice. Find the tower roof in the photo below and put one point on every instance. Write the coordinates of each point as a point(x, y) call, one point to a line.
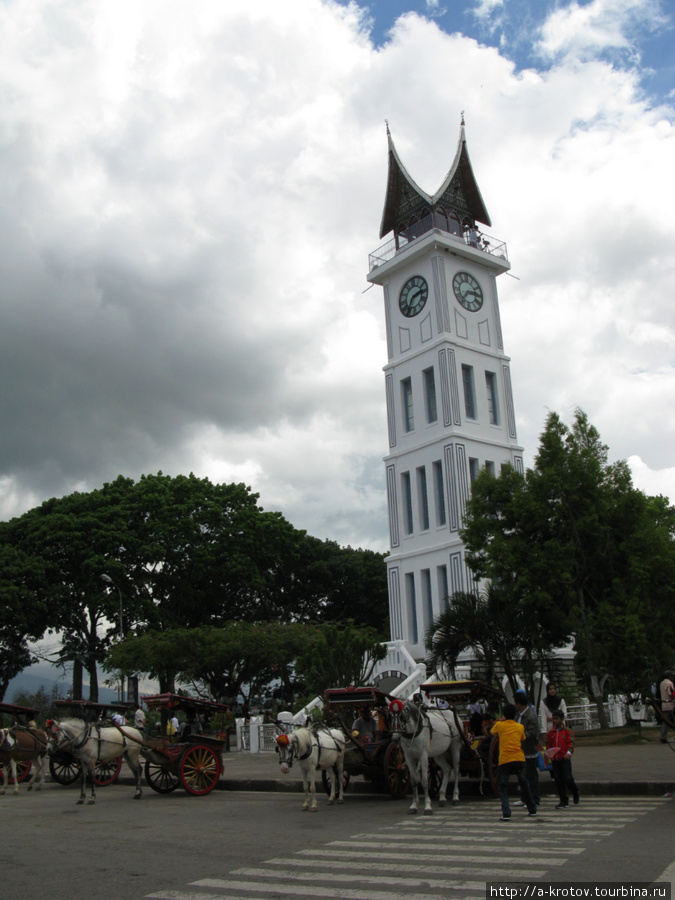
point(458, 193)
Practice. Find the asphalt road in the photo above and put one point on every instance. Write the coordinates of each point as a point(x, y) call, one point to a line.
point(257, 844)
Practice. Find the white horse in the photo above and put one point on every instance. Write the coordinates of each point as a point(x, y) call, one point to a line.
point(320, 749)
point(91, 743)
point(424, 734)
point(20, 744)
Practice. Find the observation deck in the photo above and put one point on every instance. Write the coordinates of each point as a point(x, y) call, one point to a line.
point(471, 238)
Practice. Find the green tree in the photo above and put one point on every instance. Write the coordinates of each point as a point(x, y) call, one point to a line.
point(72, 540)
point(499, 627)
point(185, 554)
point(339, 656)
point(574, 539)
point(238, 659)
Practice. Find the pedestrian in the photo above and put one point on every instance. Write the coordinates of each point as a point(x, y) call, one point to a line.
point(666, 692)
point(559, 749)
point(139, 719)
point(118, 719)
point(551, 702)
point(172, 727)
point(528, 719)
point(476, 708)
point(511, 761)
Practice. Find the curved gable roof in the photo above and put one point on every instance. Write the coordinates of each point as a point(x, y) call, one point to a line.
point(459, 191)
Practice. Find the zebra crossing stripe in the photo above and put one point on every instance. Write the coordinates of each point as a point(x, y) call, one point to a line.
point(425, 845)
point(428, 857)
point(487, 872)
point(383, 880)
point(316, 891)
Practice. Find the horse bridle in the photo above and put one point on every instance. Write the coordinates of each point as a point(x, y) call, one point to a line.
point(401, 715)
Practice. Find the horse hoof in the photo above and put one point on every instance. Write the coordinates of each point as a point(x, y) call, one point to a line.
point(455, 802)
point(442, 802)
point(80, 802)
point(428, 812)
point(91, 803)
point(341, 800)
point(413, 812)
point(314, 809)
point(331, 802)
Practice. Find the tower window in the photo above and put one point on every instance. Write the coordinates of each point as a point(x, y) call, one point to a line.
point(412, 607)
point(407, 400)
point(427, 605)
point(423, 500)
point(439, 492)
point(443, 589)
point(493, 406)
point(430, 395)
point(469, 392)
point(490, 467)
point(473, 468)
point(407, 503)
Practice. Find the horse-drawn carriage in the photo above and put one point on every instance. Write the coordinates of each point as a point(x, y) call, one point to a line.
point(380, 761)
point(194, 758)
point(479, 755)
point(21, 743)
point(64, 765)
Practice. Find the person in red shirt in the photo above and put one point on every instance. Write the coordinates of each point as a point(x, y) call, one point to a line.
point(511, 761)
point(559, 749)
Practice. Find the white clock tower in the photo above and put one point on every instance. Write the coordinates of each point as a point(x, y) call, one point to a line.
point(448, 383)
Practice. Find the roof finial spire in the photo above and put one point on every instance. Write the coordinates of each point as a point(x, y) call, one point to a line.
point(386, 122)
point(462, 122)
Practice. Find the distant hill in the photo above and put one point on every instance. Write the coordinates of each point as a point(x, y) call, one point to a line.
point(42, 675)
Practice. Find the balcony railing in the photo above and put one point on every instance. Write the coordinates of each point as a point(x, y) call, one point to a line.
point(470, 238)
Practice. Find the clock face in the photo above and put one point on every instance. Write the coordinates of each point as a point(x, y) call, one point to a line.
point(468, 291)
point(413, 296)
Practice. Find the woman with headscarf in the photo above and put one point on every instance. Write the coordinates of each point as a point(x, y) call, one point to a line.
point(550, 704)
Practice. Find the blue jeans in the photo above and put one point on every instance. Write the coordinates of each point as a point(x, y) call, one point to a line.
point(504, 772)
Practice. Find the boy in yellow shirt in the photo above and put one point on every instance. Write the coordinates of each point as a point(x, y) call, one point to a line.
point(512, 761)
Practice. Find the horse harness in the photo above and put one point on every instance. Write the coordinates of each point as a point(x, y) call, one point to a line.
point(312, 745)
point(73, 744)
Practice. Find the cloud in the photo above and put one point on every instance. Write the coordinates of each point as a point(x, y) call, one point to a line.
point(602, 25)
point(188, 201)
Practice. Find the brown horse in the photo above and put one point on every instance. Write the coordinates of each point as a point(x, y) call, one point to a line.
point(19, 744)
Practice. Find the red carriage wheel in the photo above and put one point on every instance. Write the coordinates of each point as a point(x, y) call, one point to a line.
point(22, 771)
point(160, 778)
point(65, 769)
point(396, 775)
point(199, 769)
point(325, 781)
point(107, 771)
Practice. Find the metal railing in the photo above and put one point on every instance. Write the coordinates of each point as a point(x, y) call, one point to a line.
point(470, 238)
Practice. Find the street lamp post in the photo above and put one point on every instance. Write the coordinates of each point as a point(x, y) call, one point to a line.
point(108, 580)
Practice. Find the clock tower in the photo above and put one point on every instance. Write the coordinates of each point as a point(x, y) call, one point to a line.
point(447, 382)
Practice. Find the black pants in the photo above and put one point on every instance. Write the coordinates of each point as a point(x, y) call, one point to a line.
point(504, 772)
point(532, 775)
point(562, 775)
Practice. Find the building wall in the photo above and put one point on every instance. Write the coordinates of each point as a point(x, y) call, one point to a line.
point(450, 413)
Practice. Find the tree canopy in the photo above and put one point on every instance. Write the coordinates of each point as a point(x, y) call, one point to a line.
point(579, 549)
point(185, 554)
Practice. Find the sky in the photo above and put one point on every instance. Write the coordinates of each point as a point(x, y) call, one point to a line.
point(189, 193)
